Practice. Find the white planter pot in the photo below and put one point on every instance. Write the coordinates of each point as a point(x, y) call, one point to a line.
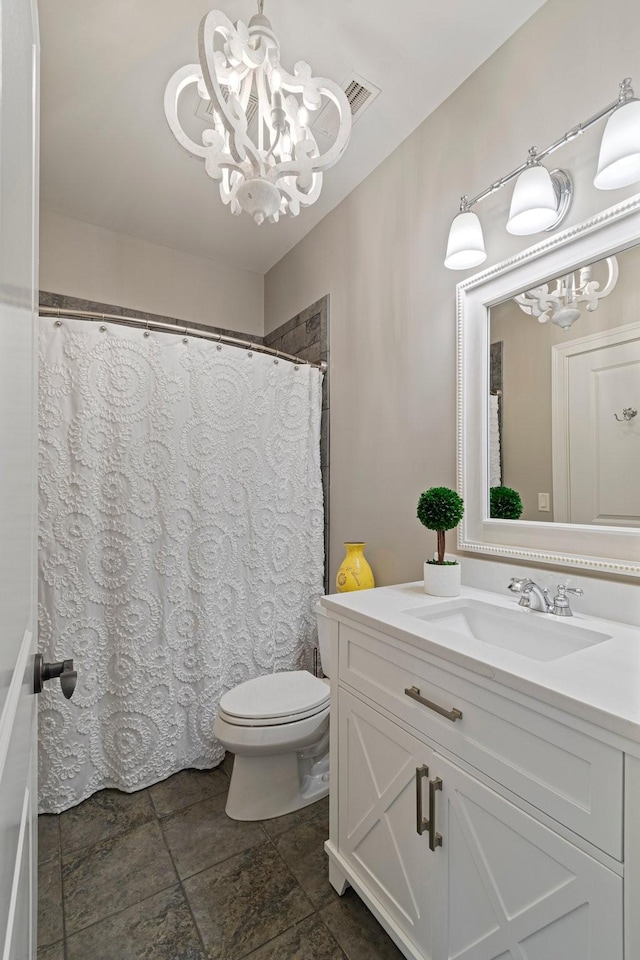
point(442, 581)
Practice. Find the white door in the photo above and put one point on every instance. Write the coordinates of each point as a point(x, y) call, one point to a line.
point(18, 285)
point(510, 888)
point(383, 783)
point(596, 457)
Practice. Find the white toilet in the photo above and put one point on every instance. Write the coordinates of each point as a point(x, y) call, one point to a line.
point(278, 728)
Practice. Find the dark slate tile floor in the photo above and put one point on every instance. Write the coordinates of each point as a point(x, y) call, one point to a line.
point(163, 874)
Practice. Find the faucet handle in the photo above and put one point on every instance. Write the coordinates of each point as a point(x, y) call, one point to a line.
point(563, 589)
point(517, 583)
point(561, 606)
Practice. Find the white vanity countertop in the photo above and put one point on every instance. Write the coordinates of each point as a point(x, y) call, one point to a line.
point(600, 684)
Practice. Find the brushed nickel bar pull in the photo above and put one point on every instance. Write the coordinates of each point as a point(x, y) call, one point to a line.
point(435, 839)
point(421, 774)
point(453, 714)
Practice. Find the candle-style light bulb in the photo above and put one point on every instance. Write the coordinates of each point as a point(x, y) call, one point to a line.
point(276, 81)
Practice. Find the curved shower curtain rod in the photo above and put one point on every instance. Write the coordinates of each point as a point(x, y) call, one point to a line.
point(179, 331)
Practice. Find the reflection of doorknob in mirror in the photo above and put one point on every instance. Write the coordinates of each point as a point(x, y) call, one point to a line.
point(627, 414)
point(48, 671)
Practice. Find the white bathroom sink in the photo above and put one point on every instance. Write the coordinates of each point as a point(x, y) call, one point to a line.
point(537, 636)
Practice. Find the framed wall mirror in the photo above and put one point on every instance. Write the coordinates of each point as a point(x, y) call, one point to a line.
point(549, 399)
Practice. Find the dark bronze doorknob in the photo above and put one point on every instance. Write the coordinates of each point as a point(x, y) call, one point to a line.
point(48, 671)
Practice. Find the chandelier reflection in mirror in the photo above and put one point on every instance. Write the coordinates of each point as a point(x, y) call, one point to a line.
point(562, 304)
point(261, 148)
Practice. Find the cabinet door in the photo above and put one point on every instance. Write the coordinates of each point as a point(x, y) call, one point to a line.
point(511, 889)
point(381, 770)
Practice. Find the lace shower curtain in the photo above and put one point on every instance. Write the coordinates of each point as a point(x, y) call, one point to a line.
point(181, 544)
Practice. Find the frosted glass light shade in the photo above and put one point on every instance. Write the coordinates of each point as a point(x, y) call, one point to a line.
point(465, 248)
point(534, 204)
point(619, 160)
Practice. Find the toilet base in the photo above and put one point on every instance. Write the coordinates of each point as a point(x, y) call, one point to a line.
point(266, 787)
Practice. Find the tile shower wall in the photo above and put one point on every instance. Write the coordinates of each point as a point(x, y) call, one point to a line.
point(307, 336)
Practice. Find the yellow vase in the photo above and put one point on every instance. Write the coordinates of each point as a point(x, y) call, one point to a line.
point(354, 572)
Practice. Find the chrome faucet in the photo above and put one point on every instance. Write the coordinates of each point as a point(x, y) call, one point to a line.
point(537, 598)
point(531, 595)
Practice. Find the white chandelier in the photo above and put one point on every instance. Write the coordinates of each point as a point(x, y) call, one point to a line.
point(562, 305)
point(276, 166)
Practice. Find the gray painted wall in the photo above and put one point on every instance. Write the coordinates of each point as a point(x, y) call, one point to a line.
point(379, 256)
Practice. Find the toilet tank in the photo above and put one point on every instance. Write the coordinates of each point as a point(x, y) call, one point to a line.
point(324, 638)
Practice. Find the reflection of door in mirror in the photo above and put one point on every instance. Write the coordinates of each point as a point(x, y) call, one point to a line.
point(596, 446)
point(562, 447)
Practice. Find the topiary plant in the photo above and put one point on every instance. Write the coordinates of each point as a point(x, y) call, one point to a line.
point(440, 509)
point(505, 503)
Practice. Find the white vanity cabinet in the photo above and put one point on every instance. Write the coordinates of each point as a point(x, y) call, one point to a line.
point(486, 831)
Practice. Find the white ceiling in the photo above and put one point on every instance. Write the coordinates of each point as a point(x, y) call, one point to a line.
point(108, 157)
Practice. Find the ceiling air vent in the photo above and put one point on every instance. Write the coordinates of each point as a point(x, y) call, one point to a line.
point(360, 94)
point(357, 95)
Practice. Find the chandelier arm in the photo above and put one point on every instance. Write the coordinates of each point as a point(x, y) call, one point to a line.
point(296, 198)
point(614, 271)
point(249, 153)
point(297, 84)
point(538, 302)
point(180, 80)
point(241, 146)
point(232, 166)
point(264, 111)
point(275, 143)
point(216, 22)
point(591, 293)
point(238, 40)
point(526, 304)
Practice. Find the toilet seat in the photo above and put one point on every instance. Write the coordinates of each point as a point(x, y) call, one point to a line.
point(275, 699)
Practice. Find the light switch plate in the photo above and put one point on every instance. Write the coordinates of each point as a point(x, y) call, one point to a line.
point(544, 504)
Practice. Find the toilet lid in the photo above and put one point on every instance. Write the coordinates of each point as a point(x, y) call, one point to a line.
point(276, 695)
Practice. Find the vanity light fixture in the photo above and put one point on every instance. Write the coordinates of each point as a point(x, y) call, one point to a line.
point(534, 204)
point(465, 248)
point(261, 147)
point(541, 198)
point(619, 160)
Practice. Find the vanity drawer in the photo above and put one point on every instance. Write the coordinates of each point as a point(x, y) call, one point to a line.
point(564, 773)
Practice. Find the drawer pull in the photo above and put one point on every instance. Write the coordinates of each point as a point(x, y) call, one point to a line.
point(435, 839)
point(421, 774)
point(453, 714)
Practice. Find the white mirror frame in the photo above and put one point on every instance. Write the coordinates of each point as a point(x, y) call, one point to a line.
point(602, 548)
